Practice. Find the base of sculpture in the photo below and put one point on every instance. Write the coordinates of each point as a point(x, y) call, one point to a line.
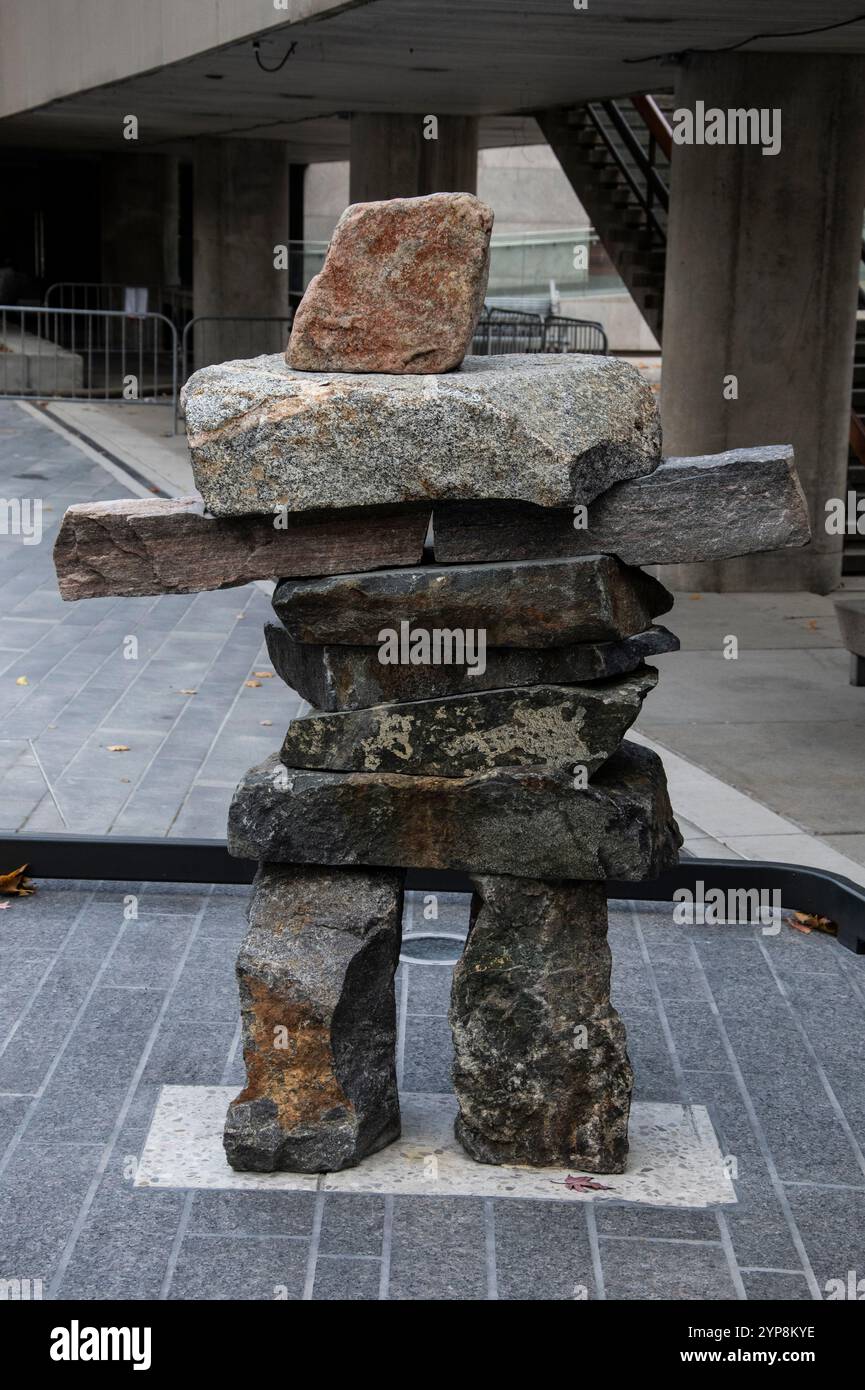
point(541, 1069)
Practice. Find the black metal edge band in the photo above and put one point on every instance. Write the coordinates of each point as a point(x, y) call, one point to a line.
point(112, 858)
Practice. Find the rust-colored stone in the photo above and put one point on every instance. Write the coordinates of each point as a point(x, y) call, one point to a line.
point(319, 1022)
point(401, 288)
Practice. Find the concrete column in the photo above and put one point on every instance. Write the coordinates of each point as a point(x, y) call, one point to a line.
point(139, 220)
point(240, 217)
point(403, 156)
point(761, 281)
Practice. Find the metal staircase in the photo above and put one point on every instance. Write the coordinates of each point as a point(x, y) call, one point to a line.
point(616, 155)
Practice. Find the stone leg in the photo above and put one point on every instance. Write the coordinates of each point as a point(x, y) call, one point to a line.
point(541, 1070)
point(316, 973)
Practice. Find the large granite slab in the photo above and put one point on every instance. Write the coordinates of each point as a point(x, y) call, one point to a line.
point(315, 974)
point(551, 429)
point(339, 678)
point(706, 508)
point(553, 726)
point(523, 821)
point(530, 603)
point(401, 288)
point(157, 545)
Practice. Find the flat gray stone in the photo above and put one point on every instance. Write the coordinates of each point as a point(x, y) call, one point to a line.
point(552, 726)
point(551, 429)
point(735, 503)
point(316, 973)
point(529, 603)
point(157, 545)
point(521, 821)
point(336, 678)
point(541, 1069)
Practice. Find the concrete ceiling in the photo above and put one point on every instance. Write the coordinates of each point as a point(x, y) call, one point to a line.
point(499, 59)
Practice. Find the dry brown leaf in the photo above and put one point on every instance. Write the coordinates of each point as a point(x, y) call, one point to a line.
point(695, 597)
point(265, 675)
point(813, 624)
point(188, 692)
point(252, 684)
point(806, 922)
point(22, 680)
point(118, 747)
point(16, 884)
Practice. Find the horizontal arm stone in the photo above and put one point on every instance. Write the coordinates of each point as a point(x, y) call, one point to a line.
point(156, 545)
point(707, 508)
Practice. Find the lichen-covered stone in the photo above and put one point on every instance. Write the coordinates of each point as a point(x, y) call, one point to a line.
point(553, 429)
point(704, 508)
point(316, 973)
point(160, 545)
point(541, 1069)
point(553, 726)
point(530, 603)
point(525, 821)
point(401, 288)
point(338, 678)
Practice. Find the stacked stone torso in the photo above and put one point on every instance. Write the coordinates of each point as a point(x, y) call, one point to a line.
point(470, 684)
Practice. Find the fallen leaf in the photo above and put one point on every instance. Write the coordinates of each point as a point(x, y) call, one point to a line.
point(266, 723)
point(695, 596)
point(22, 680)
point(585, 1184)
point(806, 922)
point(3, 906)
point(252, 684)
point(265, 675)
point(16, 884)
point(813, 624)
point(188, 692)
point(118, 747)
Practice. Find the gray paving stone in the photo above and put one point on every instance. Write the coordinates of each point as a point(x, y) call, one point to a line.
point(429, 1055)
point(542, 1252)
point(115, 1262)
point(239, 1269)
point(661, 1223)
point(636, 1269)
point(253, 1214)
point(832, 1226)
point(772, 1287)
point(190, 1052)
point(352, 1225)
point(437, 1249)
point(346, 1279)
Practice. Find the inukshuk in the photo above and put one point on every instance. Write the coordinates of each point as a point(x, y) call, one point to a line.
point(469, 699)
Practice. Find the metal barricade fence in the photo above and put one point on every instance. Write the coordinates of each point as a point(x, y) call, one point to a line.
point(212, 338)
point(87, 355)
point(507, 330)
point(573, 335)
